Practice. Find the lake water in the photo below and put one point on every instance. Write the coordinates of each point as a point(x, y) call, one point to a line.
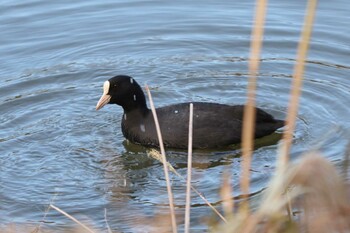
point(55, 56)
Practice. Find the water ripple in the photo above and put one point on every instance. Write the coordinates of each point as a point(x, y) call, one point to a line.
point(56, 57)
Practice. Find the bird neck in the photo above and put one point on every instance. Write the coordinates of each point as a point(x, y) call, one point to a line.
point(137, 102)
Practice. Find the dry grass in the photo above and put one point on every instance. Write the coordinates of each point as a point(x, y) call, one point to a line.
point(297, 81)
point(189, 172)
point(156, 155)
point(320, 197)
point(72, 218)
point(164, 162)
point(249, 109)
point(319, 194)
point(226, 196)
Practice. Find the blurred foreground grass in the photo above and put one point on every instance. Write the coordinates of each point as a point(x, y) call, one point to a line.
point(312, 195)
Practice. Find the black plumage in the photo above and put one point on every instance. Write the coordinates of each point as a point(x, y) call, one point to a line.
point(214, 125)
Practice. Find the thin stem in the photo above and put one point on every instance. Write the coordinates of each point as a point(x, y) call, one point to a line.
point(165, 167)
point(108, 227)
point(226, 195)
point(72, 218)
point(249, 108)
point(297, 81)
point(155, 154)
point(189, 169)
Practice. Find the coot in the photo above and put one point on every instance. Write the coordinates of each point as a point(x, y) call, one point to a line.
point(214, 125)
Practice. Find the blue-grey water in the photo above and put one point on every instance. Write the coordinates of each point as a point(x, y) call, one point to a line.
point(55, 55)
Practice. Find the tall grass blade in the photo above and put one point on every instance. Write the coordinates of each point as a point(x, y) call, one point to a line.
point(155, 154)
point(165, 167)
point(249, 109)
point(346, 162)
point(297, 81)
point(226, 195)
point(38, 228)
point(71, 218)
point(189, 171)
point(108, 227)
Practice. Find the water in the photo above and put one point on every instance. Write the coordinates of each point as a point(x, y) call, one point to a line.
point(55, 148)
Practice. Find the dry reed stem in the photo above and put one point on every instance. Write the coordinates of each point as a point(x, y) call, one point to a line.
point(108, 227)
point(319, 192)
point(297, 82)
point(165, 167)
point(249, 109)
point(226, 195)
point(346, 162)
point(155, 154)
point(189, 170)
point(72, 218)
point(209, 204)
point(37, 229)
point(289, 205)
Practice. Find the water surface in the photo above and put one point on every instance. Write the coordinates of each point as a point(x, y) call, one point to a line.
point(55, 148)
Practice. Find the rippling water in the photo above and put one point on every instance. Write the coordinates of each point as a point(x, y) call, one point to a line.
point(55, 148)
